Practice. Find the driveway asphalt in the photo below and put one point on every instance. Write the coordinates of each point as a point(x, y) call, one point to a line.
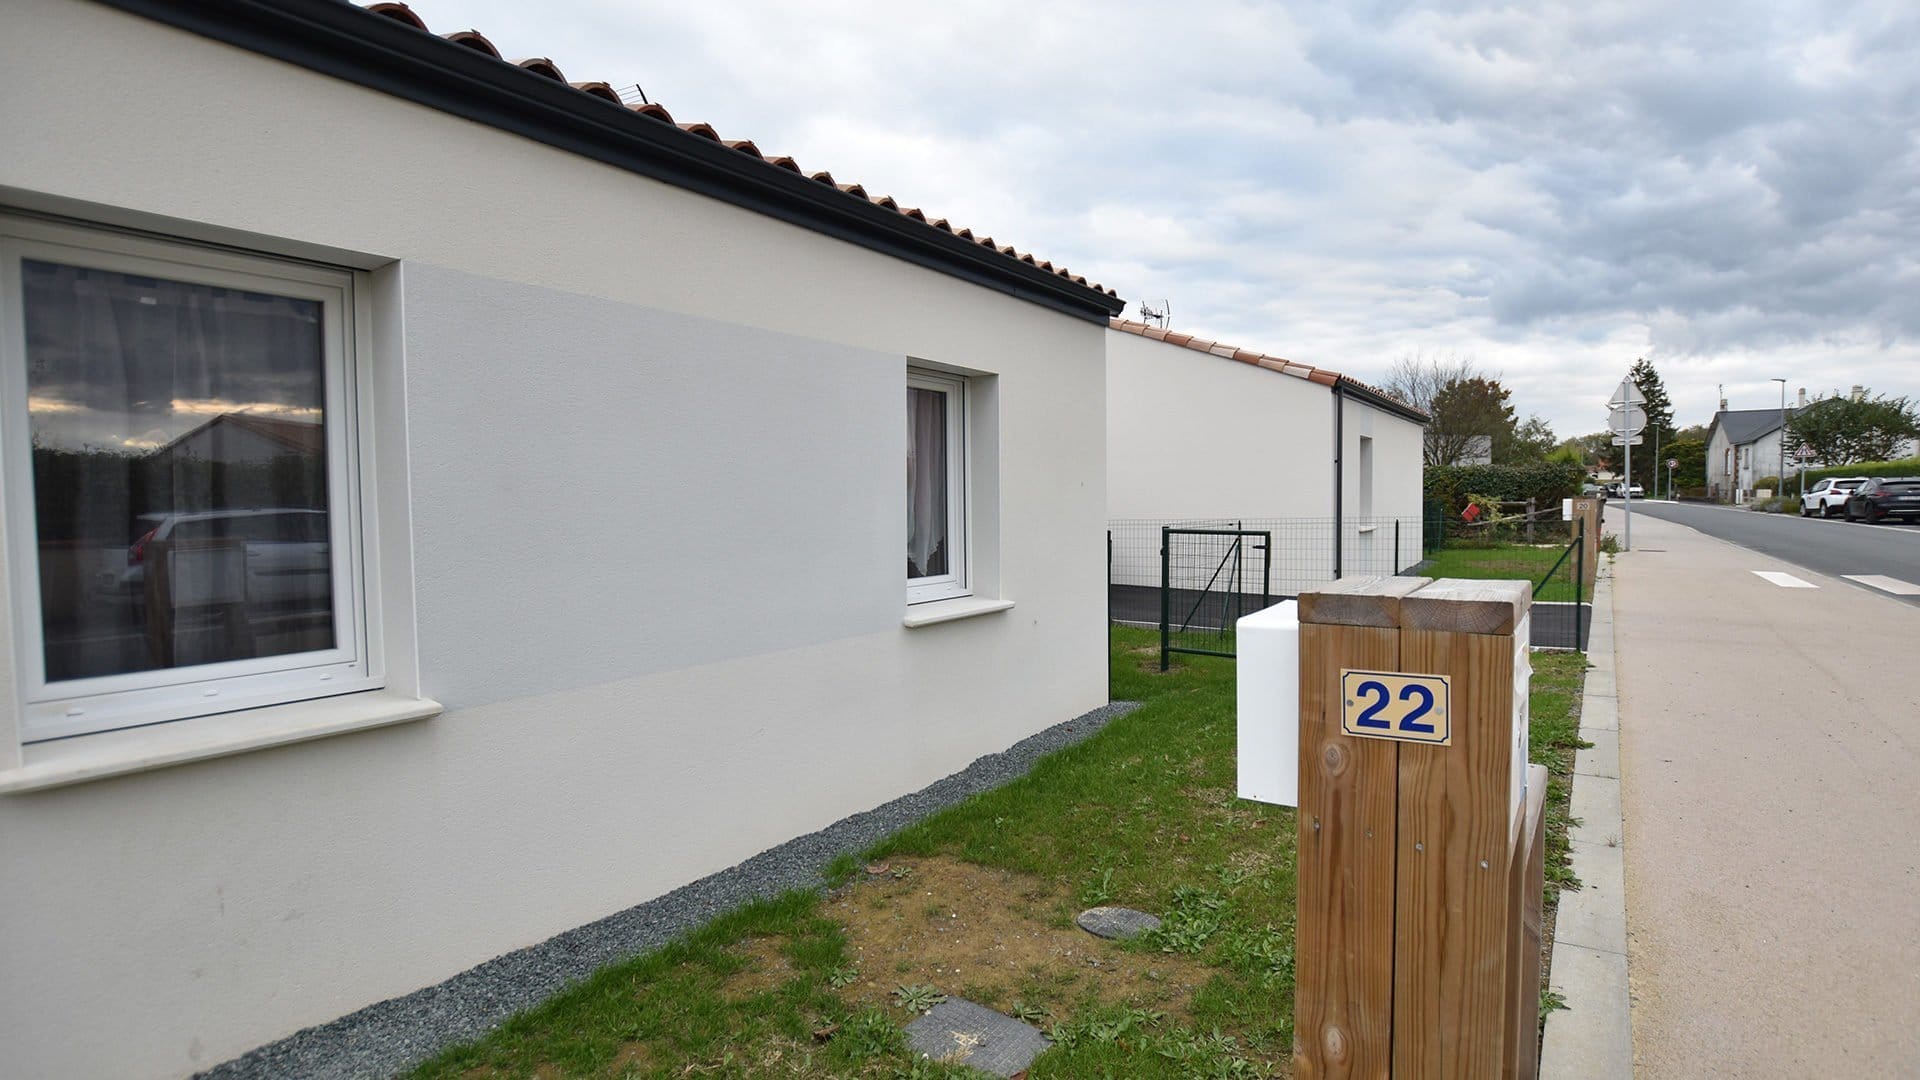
point(1832, 546)
point(1770, 781)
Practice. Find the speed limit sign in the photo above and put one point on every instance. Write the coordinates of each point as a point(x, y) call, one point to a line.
point(1673, 463)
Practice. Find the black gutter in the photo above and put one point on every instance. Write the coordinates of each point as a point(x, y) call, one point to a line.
point(1379, 400)
point(336, 38)
point(1339, 470)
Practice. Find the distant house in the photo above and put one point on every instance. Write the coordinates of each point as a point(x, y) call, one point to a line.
point(1478, 451)
point(1743, 445)
point(618, 577)
point(1199, 431)
point(237, 438)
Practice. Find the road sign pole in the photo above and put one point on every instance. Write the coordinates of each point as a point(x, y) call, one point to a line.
point(1626, 496)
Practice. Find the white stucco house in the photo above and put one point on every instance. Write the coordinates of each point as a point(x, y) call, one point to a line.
point(1199, 431)
point(598, 423)
point(1743, 445)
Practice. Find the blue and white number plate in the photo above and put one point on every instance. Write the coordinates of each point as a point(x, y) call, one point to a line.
point(1405, 708)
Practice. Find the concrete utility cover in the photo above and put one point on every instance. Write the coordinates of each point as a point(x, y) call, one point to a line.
point(1118, 923)
point(959, 1031)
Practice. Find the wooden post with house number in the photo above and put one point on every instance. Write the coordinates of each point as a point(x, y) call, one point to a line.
point(1586, 524)
point(1417, 950)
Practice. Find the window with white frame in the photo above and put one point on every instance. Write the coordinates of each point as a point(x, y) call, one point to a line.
point(936, 486)
point(182, 479)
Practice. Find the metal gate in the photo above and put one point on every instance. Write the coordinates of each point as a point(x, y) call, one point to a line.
point(1208, 579)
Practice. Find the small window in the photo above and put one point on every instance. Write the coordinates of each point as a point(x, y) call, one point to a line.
point(201, 403)
point(936, 486)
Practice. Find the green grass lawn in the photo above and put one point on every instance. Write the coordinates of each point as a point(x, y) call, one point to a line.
point(1522, 561)
point(1142, 814)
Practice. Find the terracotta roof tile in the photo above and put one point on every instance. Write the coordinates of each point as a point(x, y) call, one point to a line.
point(542, 66)
point(598, 89)
point(545, 68)
point(472, 39)
point(1321, 376)
point(399, 13)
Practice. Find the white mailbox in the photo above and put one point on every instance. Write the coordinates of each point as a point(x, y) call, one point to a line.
point(1268, 665)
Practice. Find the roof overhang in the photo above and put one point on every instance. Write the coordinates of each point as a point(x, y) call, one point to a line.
point(350, 43)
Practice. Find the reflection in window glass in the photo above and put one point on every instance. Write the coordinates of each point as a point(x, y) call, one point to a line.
point(926, 483)
point(179, 469)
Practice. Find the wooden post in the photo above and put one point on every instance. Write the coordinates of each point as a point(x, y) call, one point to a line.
point(1343, 936)
point(1411, 950)
point(1586, 522)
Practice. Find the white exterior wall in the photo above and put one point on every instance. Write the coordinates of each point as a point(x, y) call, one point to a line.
point(1368, 544)
point(657, 524)
point(1192, 436)
point(1201, 438)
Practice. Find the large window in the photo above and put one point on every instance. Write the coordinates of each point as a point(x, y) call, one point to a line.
point(181, 486)
point(936, 486)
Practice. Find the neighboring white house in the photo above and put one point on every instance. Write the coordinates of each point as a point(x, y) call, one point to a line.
point(1203, 432)
point(610, 418)
point(1743, 445)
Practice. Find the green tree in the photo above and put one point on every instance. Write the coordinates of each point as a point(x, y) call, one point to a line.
point(1692, 456)
point(1650, 456)
point(1842, 430)
point(1465, 411)
point(1532, 441)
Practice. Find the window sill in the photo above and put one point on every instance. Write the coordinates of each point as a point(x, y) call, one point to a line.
point(116, 753)
point(963, 607)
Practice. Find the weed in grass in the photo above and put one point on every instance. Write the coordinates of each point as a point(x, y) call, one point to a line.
point(1105, 1025)
point(1549, 1001)
point(868, 1033)
point(917, 998)
point(1195, 916)
point(1030, 1013)
point(843, 976)
point(1098, 891)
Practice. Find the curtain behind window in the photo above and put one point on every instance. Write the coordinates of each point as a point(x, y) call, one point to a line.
point(926, 482)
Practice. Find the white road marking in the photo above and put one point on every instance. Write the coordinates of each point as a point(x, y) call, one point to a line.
point(1785, 581)
point(1885, 584)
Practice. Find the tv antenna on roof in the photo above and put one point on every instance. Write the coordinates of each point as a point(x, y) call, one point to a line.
point(1161, 316)
point(629, 93)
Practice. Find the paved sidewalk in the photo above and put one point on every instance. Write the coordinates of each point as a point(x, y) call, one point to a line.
point(1592, 1036)
point(1770, 776)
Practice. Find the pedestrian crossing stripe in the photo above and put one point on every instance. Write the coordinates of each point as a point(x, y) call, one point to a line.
point(1785, 581)
point(1885, 584)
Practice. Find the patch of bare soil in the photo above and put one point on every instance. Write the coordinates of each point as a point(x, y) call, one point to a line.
point(994, 937)
point(767, 967)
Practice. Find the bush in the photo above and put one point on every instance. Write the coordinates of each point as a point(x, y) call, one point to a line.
point(1546, 482)
point(1903, 467)
point(1787, 505)
point(1695, 493)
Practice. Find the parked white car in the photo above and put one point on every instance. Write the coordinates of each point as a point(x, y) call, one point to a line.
point(1828, 497)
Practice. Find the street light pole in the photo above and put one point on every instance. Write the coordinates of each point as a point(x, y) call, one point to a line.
point(1781, 476)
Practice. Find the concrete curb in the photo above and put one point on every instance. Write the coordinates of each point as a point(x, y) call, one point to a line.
point(1593, 1035)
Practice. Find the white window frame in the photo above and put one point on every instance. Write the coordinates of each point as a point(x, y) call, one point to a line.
point(106, 703)
point(956, 582)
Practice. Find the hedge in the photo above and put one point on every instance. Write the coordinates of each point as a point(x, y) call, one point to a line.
point(1904, 467)
point(1545, 482)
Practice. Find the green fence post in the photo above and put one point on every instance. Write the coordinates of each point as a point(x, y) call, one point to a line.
point(1166, 597)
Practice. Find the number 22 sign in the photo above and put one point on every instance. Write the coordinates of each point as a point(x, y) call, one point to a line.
point(1385, 705)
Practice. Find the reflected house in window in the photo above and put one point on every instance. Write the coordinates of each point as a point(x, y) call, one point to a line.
point(400, 572)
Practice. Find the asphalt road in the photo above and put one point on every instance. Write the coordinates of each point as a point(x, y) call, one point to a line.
point(1833, 547)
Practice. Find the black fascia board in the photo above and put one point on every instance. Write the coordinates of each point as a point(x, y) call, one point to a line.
point(1368, 394)
point(339, 39)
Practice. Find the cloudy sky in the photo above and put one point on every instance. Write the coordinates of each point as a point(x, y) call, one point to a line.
point(1731, 190)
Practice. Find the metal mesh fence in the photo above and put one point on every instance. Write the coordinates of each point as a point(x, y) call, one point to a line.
point(1217, 575)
